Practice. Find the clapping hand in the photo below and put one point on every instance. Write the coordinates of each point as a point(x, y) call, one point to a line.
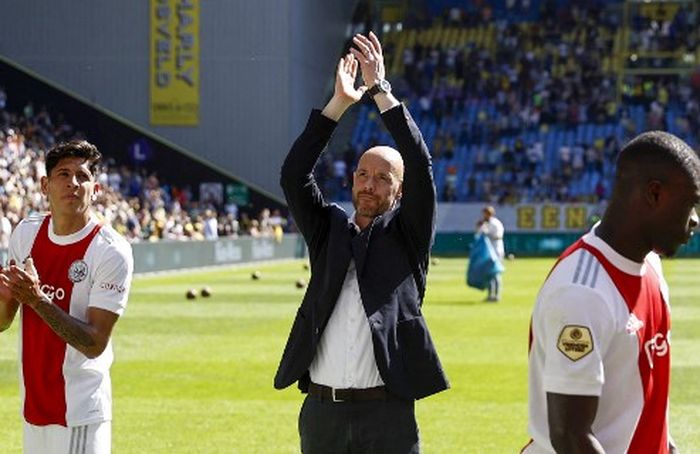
point(345, 80)
point(369, 55)
point(24, 283)
point(5, 291)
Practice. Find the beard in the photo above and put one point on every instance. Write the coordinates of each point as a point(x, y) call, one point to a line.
point(369, 208)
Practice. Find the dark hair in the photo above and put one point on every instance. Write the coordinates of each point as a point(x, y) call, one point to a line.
point(74, 149)
point(654, 154)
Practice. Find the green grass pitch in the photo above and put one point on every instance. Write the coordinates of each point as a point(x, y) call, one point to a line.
point(195, 376)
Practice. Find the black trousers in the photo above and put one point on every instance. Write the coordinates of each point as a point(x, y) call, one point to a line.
point(376, 427)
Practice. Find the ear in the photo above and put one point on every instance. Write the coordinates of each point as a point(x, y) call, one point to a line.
point(653, 193)
point(400, 191)
point(45, 185)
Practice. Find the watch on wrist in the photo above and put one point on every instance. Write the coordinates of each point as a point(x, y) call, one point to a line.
point(382, 86)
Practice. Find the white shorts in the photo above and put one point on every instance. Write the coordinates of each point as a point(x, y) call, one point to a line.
point(54, 439)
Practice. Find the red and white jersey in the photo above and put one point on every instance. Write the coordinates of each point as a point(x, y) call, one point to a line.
point(601, 327)
point(89, 268)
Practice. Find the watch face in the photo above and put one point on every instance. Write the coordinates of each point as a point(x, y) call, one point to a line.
point(385, 86)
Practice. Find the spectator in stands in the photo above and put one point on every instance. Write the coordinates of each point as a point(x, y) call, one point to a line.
point(211, 225)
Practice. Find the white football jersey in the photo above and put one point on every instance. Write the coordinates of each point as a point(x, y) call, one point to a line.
point(90, 268)
point(601, 327)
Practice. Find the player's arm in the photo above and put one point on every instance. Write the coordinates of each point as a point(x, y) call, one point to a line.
point(575, 326)
point(90, 337)
point(8, 305)
point(570, 419)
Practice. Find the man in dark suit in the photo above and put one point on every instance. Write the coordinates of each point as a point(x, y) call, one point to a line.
point(359, 345)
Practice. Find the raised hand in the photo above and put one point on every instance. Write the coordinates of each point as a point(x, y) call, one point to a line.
point(369, 54)
point(345, 80)
point(345, 94)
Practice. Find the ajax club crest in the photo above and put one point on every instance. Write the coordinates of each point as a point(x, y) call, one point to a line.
point(78, 271)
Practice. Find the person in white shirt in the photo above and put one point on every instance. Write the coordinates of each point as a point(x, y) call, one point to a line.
point(490, 226)
point(70, 276)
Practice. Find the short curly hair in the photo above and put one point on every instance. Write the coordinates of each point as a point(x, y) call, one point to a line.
point(74, 149)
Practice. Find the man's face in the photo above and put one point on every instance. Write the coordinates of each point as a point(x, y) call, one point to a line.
point(677, 215)
point(376, 182)
point(69, 187)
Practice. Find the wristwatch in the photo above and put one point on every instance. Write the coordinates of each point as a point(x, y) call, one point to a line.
point(382, 86)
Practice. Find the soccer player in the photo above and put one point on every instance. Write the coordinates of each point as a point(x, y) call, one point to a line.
point(70, 276)
point(600, 341)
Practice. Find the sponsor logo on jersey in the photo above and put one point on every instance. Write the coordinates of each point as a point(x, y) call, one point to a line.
point(575, 342)
point(656, 346)
point(633, 324)
point(112, 287)
point(78, 271)
point(52, 292)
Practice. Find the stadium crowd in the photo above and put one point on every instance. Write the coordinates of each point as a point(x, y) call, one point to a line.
point(528, 110)
point(134, 201)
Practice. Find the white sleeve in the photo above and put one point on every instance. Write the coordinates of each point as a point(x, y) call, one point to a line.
point(110, 290)
point(576, 326)
point(20, 242)
point(13, 248)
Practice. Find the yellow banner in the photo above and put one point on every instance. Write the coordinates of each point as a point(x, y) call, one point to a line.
point(174, 62)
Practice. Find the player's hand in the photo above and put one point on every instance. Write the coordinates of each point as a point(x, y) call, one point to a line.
point(345, 78)
point(24, 283)
point(5, 291)
point(369, 54)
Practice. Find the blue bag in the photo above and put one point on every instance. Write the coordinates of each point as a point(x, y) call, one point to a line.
point(484, 263)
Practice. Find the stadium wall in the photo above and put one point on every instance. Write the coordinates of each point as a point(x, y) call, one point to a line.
point(175, 255)
point(263, 65)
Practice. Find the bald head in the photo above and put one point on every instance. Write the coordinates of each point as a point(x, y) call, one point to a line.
point(390, 155)
point(377, 183)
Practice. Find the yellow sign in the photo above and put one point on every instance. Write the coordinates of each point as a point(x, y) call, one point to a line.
point(174, 62)
point(552, 217)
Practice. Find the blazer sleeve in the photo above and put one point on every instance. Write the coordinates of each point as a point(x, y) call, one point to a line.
point(304, 197)
point(418, 200)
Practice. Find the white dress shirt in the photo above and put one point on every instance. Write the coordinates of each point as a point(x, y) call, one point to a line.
point(345, 355)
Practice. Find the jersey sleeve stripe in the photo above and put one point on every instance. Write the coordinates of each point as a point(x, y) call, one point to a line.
point(594, 279)
point(578, 265)
point(589, 262)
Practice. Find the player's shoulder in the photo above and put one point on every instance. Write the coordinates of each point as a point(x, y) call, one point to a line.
point(111, 239)
point(580, 268)
point(654, 260)
point(34, 220)
point(30, 225)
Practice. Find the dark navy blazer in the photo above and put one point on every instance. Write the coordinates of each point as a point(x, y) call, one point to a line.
point(391, 256)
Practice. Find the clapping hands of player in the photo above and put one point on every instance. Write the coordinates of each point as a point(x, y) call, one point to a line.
point(23, 283)
point(5, 291)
